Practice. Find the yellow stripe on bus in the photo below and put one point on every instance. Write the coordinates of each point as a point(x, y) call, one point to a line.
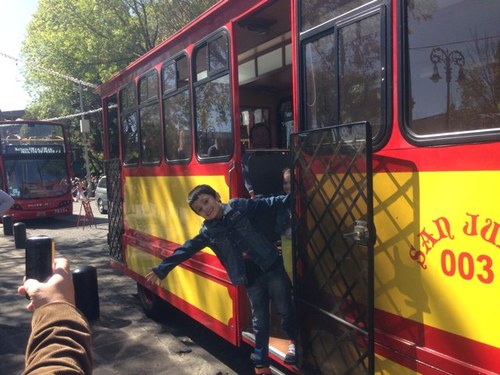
point(157, 206)
point(384, 366)
point(207, 295)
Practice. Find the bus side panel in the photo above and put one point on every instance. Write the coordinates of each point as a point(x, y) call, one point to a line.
point(435, 261)
point(158, 219)
point(206, 299)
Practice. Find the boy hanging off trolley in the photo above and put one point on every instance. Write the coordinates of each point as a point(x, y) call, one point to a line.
point(249, 257)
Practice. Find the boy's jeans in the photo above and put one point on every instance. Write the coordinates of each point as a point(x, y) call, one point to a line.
point(273, 285)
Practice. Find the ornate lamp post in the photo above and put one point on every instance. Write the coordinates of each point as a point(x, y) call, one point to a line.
point(448, 59)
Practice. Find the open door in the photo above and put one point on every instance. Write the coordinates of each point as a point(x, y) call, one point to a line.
point(333, 237)
point(115, 210)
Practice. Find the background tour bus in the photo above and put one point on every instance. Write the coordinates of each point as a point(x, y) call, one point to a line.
point(35, 168)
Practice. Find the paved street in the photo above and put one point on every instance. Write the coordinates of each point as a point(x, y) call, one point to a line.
point(124, 340)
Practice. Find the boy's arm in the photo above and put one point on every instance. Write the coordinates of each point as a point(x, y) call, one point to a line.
point(262, 205)
point(182, 253)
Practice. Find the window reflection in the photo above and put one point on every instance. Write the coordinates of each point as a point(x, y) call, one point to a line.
point(149, 115)
point(213, 118)
point(454, 80)
point(151, 133)
point(130, 139)
point(177, 109)
point(360, 72)
point(214, 130)
point(321, 78)
point(178, 126)
point(169, 77)
point(316, 12)
point(218, 54)
point(344, 76)
point(112, 122)
point(129, 130)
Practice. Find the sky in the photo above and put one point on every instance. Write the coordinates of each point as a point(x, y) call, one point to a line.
point(16, 15)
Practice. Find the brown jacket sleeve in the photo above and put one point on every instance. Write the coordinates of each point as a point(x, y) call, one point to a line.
point(60, 341)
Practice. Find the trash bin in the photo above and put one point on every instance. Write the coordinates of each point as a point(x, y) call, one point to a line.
point(19, 235)
point(86, 291)
point(7, 225)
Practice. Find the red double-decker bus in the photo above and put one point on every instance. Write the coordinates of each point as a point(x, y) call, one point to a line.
point(35, 168)
point(387, 113)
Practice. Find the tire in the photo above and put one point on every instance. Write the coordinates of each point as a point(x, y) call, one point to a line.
point(100, 206)
point(154, 307)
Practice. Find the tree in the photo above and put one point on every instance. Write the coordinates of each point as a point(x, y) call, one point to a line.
point(92, 40)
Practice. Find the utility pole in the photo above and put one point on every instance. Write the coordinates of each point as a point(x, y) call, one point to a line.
point(84, 128)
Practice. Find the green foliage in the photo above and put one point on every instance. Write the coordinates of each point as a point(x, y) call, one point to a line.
point(92, 40)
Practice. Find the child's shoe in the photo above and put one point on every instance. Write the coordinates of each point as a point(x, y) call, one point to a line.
point(290, 355)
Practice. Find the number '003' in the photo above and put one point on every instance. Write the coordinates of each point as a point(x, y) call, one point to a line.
point(465, 265)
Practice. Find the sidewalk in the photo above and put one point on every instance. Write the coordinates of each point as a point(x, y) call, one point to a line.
point(125, 341)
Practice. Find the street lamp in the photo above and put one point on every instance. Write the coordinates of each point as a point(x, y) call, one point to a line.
point(448, 59)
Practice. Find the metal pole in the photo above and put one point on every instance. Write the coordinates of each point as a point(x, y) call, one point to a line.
point(84, 140)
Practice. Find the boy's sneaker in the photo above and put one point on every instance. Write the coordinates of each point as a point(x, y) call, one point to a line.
point(263, 370)
point(290, 355)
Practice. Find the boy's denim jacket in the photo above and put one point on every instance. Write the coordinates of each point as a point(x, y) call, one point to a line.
point(232, 238)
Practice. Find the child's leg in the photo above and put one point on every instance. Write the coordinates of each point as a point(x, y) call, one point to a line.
point(259, 302)
point(281, 294)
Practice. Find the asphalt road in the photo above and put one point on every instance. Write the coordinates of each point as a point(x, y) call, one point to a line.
point(125, 341)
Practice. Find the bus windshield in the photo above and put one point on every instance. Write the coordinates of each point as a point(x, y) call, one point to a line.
point(37, 178)
point(34, 159)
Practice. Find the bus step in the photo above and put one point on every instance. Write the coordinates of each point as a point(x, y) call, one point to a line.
point(277, 351)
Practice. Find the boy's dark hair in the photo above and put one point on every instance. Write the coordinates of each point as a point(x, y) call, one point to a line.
point(198, 190)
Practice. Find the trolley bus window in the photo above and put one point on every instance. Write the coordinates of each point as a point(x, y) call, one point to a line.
point(344, 76)
point(454, 82)
point(321, 110)
point(214, 129)
point(218, 55)
point(177, 109)
point(149, 115)
point(31, 137)
point(112, 122)
point(316, 12)
point(130, 135)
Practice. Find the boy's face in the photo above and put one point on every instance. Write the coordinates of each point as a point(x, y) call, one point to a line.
point(208, 207)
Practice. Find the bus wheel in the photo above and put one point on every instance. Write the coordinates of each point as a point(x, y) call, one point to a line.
point(153, 306)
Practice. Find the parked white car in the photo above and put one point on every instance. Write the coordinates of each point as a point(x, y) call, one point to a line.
point(101, 195)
